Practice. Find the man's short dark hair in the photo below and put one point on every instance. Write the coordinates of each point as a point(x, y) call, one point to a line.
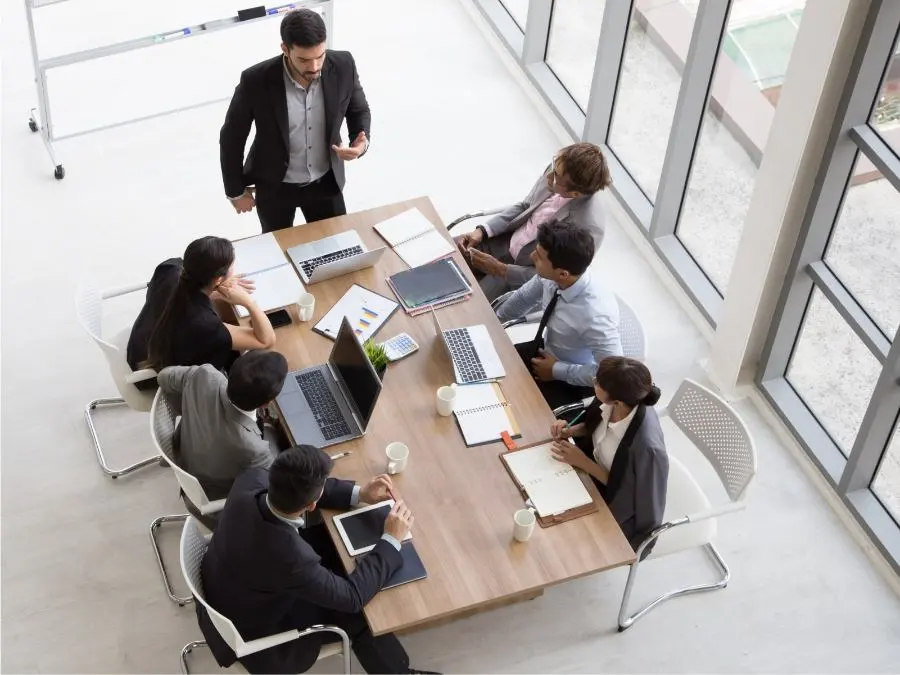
point(297, 476)
point(569, 247)
point(302, 28)
point(256, 378)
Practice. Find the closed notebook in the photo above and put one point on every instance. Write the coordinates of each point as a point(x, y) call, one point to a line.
point(414, 238)
point(413, 569)
point(483, 413)
point(429, 283)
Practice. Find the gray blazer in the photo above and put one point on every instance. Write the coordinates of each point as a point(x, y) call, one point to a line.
point(586, 211)
point(639, 475)
point(216, 442)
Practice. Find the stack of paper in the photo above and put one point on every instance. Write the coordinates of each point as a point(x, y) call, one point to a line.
point(261, 260)
point(433, 285)
point(414, 238)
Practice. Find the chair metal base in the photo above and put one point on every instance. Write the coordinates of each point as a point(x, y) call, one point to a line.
point(187, 649)
point(626, 621)
point(154, 527)
point(112, 473)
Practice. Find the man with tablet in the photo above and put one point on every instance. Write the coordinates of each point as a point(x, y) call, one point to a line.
point(269, 573)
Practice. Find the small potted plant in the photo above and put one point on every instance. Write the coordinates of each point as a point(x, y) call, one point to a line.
point(377, 357)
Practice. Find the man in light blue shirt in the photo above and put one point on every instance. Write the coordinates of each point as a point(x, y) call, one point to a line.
point(580, 322)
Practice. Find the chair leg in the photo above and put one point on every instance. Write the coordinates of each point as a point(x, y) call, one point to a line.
point(154, 527)
point(625, 620)
point(187, 649)
point(113, 473)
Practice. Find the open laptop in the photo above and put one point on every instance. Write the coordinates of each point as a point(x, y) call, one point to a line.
point(472, 352)
point(333, 256)
point(332, 402)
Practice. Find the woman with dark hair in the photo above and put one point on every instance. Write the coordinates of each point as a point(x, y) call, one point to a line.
point(178, 325)
point(620, 445)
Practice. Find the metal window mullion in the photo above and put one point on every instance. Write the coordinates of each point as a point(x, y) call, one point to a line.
point(877, 426)
point(878, 151)
point(537, 31)
point(696, 82)
point(863, 83)
point(607, 70)
point(850, 310)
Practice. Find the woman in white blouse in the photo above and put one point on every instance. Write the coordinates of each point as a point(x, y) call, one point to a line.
point(620, 445)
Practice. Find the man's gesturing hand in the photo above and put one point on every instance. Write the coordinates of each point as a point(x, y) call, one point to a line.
point(357, 147)
point(399, 521)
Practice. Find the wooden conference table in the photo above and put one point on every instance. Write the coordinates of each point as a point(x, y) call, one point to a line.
point(462, 498)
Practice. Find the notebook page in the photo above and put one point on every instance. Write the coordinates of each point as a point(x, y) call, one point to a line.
point(552, 486)
point(424, 249)
point(471, 396)
point(404, 226)
point(256, 254)
point(275, 288)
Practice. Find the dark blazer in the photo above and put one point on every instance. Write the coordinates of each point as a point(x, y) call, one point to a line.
point(638, 477)
point(260, 97)
point(263, 575)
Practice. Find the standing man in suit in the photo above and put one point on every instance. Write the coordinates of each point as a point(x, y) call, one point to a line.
point(269, 573)
point(298, 101)
point(499, 252)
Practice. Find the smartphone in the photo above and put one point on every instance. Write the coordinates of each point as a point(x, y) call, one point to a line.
point(279, 317)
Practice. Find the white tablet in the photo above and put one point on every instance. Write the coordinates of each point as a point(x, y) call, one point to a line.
point(361, 528)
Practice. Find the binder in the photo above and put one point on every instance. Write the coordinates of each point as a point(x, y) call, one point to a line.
point(565, 516)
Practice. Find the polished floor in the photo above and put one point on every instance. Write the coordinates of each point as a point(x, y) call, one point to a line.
point(450, 120)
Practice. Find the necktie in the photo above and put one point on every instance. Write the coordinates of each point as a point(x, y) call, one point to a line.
point(539, 337)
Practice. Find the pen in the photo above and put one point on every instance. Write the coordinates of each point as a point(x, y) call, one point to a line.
point(342, 454)
point(577, 417)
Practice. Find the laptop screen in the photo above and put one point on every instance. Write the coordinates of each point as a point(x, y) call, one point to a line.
point(358, 377)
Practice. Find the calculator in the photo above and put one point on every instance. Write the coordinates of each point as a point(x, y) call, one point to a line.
point(399, 346)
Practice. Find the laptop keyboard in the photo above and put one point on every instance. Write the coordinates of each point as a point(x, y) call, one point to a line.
point(321, 401)
point(309, 265)
point(464, 355)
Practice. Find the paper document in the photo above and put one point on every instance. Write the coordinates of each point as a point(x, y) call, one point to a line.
point(256, 254)
point(414, 238)
point(553, 486)
point(276, 287)
point(483, 413)
point(366, 311)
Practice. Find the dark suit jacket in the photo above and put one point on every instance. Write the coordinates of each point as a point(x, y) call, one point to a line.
point(639, 475)
point(260, 97)
point(264, 576)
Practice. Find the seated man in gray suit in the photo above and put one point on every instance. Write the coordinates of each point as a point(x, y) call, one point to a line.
point(499, 252)
point(218, 437)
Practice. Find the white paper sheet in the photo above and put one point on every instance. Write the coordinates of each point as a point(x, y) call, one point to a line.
point(256, 254)
point(366, 311)
point(275, 288)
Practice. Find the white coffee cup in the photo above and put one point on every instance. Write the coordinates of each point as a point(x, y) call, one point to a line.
point(307, 304)
point(398, 455)
point(446, 400)
point(523, 524)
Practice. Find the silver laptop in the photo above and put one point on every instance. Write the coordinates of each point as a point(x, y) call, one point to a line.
point(332, 402)
point(333, 256)
point(472, 352)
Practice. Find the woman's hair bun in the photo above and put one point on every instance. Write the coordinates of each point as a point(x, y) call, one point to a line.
point(652, 396)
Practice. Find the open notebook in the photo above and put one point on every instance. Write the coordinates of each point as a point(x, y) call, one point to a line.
point(262, 260)
point(553, 487)
point(483, 413)
point(414, 238)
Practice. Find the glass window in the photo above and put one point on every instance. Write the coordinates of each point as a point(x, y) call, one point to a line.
point(886, 117)
point(833, 371)
point(648, 85)
point(518, 10)
point(572, 45)
point(886, 485)
point(745, 92)
point(863, 248)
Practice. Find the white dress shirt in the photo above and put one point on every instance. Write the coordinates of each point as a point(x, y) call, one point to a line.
point(583, 329)
point(608, 435)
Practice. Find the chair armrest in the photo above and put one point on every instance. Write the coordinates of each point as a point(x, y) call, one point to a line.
point(212, 507)
point(514, 322)
point(123, 290)
point(141, 375)
point(570, 407)
point(476, 214)
point(269, 641)
point(500, 299)
point(724, 509)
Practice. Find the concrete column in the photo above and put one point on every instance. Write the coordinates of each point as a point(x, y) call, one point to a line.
point(815, 82)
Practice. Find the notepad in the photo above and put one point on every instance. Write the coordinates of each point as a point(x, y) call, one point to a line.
point(483, 413)
point(552, 486)
point(414, 238)
point(261, 260)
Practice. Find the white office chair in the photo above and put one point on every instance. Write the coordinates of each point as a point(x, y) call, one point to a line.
point(193, 548)
point(89, 308)
point(716, 430)
point(162, 431)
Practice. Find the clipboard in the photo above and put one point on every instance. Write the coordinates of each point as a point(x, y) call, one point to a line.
point(571, 514)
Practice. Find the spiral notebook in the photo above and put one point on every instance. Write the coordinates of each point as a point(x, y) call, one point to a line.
point(483, 413)
point(414, 238)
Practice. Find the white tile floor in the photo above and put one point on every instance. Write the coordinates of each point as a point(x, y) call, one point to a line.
point(80, 588)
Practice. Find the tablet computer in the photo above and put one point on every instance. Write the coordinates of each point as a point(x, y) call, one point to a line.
point(361, 528)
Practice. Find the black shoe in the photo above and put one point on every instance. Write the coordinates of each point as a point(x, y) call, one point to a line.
point(423, 672)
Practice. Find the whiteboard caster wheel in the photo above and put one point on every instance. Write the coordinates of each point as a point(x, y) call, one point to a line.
point(32, 124)
point(59, 172)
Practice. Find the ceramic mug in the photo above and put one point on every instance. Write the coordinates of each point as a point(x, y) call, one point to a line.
point(398, 456)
